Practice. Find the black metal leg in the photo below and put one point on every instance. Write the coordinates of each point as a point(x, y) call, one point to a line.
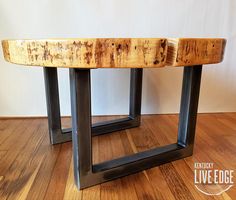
point(87, 174)
point(57, 135)
point(189, 105)
point(81, 124)
point(136, 77)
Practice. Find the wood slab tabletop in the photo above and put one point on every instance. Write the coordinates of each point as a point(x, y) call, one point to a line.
point(114, 52)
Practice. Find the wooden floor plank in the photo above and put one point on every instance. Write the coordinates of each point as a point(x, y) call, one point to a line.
point(159, 183)
point(126, 190)
point(40, 184)
point(226, 120)
point(31, 168)
point(56, 187)
point(23, 164)
point(91, 193)
point(8, 130)
point(71, 191)
point(19, 137)
point(24, 192)
point(109, 190)
point(209, 148)
point(147, 179)
point(162, 125)
point(156, 174)
point(187, 175)
point(175, 182)
point(2, 153)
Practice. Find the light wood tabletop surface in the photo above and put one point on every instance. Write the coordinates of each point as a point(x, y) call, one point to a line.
point(114, 52)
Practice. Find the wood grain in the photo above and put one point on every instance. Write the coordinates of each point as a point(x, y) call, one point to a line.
point(60, 173)
point(195, 51)
point(88, 53)
point(71, 191)
point(114, 52)
point(33, 169)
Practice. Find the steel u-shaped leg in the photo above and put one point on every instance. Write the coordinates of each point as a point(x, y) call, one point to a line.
point(56, 133)
point(87, 173)
point(59, 135)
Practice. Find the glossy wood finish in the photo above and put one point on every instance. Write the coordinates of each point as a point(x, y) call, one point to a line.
point(88, 53)
point(30, 168)
point(195, 51)
point(114, 52)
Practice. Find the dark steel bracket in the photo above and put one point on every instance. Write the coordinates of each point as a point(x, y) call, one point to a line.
point(59, 135)
point(88, 174)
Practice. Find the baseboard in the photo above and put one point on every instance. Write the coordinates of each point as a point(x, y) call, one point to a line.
point(68, 116)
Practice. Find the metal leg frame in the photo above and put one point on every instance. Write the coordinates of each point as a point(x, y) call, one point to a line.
point(56, 133)
point(59, 135)
point(87, 173)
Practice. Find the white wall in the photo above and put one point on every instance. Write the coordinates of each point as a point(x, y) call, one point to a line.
point(22, 88)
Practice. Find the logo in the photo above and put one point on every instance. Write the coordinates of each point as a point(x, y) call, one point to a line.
point(211, 180)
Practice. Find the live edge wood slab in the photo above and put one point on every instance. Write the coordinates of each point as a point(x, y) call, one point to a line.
point(114, 52)
point(88, 53)
point(195, 51)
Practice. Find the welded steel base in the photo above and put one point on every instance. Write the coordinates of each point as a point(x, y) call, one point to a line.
point(88, 174)
point(59, 135)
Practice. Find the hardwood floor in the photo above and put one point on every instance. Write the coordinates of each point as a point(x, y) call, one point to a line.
point(31, 168)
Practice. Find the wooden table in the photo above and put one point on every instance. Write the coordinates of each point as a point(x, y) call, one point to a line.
point(82, 55)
